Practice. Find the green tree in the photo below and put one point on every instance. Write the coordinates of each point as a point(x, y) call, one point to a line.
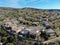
point(10, 44)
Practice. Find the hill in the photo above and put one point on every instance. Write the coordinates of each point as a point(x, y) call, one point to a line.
point(27, 17)
point(52, 14)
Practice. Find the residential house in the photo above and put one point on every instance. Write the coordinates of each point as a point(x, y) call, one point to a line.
point(39, 18)
point(11, 26)
point(34, 30)
point(35, 23)
point(21, 27)
point(48, 33)
point(6, 24)
point(58, 17)
point(15, 21)
point(24, 33)
point(20, 19)
point(47, 24)
point(52, 18)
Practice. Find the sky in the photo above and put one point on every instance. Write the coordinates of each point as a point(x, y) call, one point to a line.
point(41, 4)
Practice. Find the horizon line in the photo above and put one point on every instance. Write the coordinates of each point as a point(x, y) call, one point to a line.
point(27, 7)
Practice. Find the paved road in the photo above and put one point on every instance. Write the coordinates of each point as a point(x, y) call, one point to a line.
point(52, 40)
